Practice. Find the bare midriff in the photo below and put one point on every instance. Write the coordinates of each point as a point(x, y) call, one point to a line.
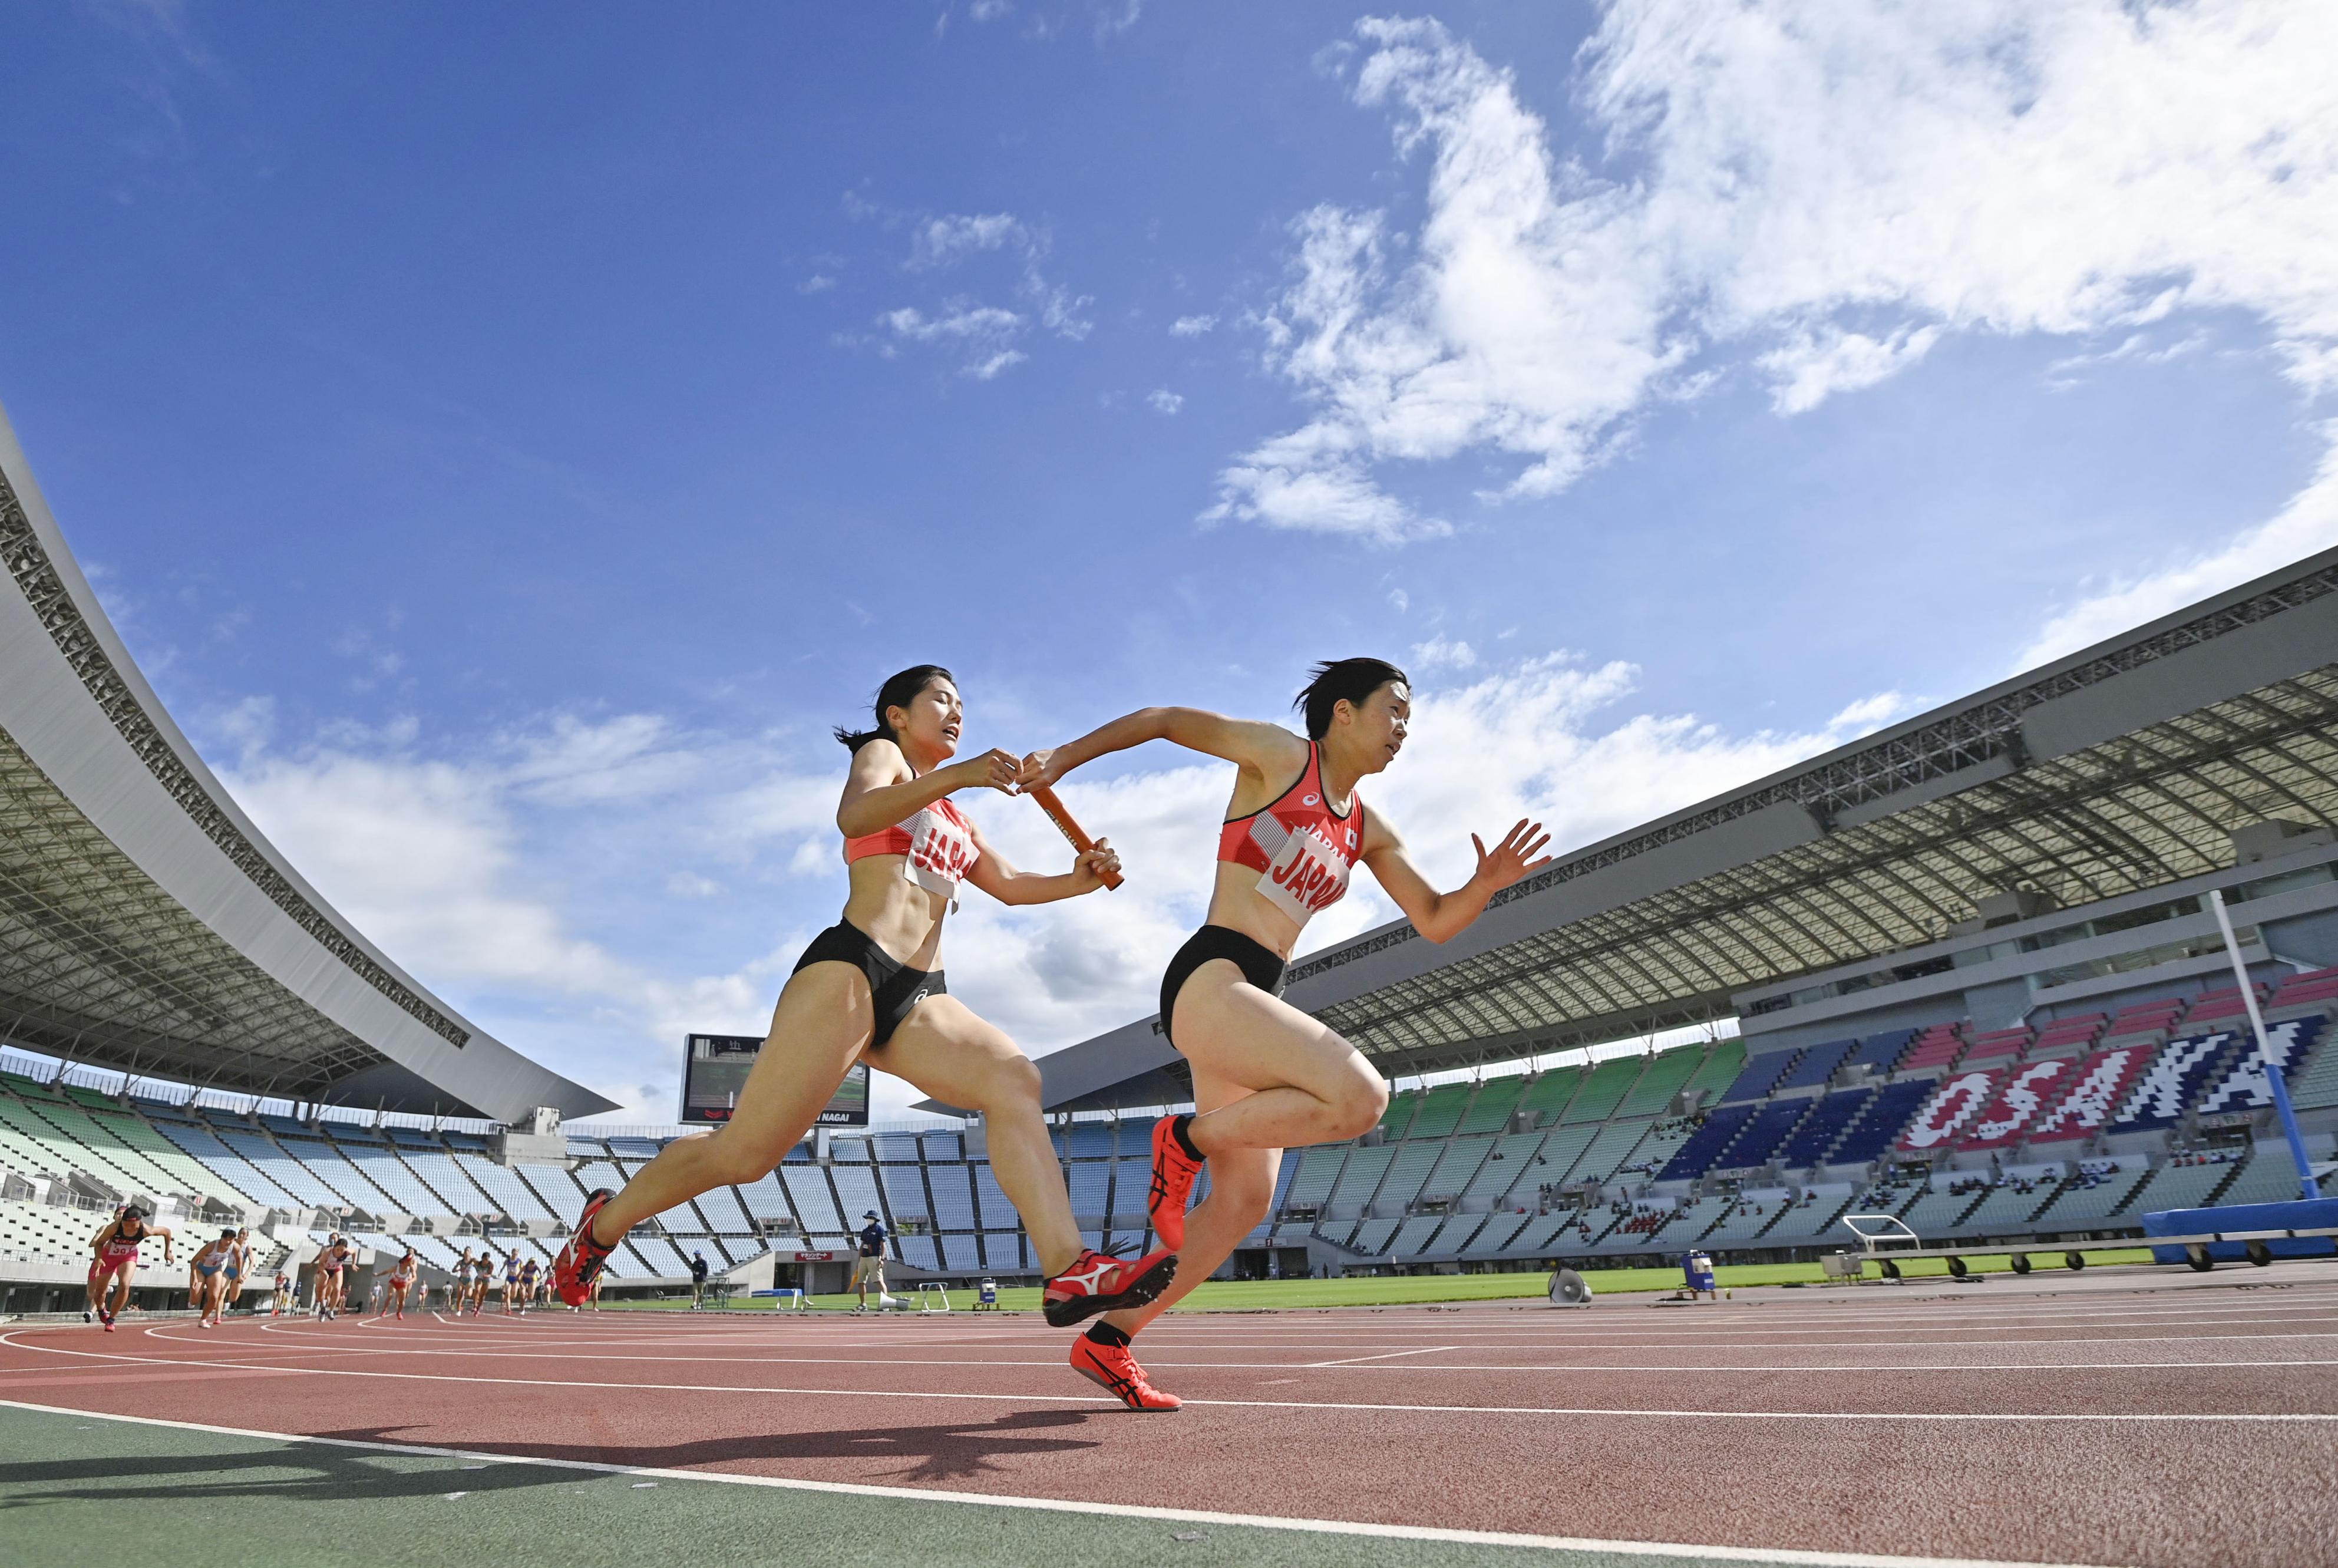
point(1235, 904)
point(894, 912)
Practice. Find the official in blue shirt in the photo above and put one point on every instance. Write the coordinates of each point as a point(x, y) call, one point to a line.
point(870, 1264)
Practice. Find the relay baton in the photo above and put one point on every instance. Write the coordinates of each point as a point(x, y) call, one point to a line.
point(1072, 830)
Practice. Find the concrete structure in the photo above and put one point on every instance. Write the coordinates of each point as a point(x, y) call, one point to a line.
point(145, 924)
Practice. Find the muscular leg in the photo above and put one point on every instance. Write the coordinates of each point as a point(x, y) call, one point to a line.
point(1241, 1187)
point(944, 1049)
point(122, 1287)
point(823, 1019)
point(1307, 1085)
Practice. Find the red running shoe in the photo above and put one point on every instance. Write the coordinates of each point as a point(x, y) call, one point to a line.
point(1173, 1173)
point(579, 1263)
point(1095, 1283)
point(1113, 1369)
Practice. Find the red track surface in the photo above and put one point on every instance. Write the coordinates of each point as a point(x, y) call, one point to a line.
point(2093, 1420)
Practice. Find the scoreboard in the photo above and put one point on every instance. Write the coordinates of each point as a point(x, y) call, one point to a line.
point(714, 1069)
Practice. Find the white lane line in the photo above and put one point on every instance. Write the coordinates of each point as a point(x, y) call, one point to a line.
point(892, 1352)
point(858, 1391)
point(1363, 1364)
point(1800, 1558)
point(1384, 1355)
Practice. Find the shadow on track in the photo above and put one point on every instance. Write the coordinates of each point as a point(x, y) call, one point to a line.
point(892, 1455)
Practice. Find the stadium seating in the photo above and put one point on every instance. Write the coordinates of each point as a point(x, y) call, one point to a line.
point(1817, 1065)
point(1953, 1106)
point(1938, 1046)
point(1880, 1053)
point(1603, 1089)
point(2242, 1086)
point(2026, 1090)
point(2166, 1088)
point(1759, 1075)
point(1819, 1132)
point(2093, 1090)
point(1876, 1127)
point(1496, 1102)
point(1698, 1155)
point(1763, 1135)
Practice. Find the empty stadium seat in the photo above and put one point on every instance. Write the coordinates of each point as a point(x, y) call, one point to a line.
point(1877, 1127)
point(1817, 1065)
point(1759, 1076)
point(1811, 1141)
point(2092, 1091)
point(2168, 1088)
point(2028, 1090)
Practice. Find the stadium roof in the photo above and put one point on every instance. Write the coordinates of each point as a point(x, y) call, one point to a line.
point(2116, 770)
point(144, 923)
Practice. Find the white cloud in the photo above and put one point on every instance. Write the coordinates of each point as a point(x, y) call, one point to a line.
point(1825, 192)
point(940, 241)
point(1398, 599)
point(818, 283)
point(1164, 401)
point(1814, 366)
point(1442, 654)
point(989, 10)
point(983, 370)
point(964, 321)
point(2309, 522)
point(1192, 326)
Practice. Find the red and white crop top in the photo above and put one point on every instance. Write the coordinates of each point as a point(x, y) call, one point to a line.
point(1302, 849)
point(936, 843)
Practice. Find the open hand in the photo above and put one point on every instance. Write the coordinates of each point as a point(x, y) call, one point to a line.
point(1512, 857)
point(993, 770)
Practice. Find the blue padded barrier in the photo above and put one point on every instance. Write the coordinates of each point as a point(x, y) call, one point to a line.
point(2297, 1215)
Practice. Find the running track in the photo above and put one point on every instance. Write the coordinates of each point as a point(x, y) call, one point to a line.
point(2129, 1417)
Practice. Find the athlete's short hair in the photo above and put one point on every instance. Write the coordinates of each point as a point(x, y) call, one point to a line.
point(1352, 679)
point(898, 692)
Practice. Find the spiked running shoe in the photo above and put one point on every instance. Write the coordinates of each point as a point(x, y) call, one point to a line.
point(1095, 1283)
point(1112, 1368)
point(579, 1263)
point(1174, 1174)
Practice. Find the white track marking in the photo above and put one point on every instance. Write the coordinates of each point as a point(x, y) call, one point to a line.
point(892, 1352)
point(857, 1392)
point(1383, 1355)
point(1110, 1510)
point(1363, 1364)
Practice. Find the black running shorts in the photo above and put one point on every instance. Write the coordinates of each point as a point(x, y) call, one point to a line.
point(1257, 962)
point(893, 985)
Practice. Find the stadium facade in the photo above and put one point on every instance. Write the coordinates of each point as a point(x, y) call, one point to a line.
point(1961, 971)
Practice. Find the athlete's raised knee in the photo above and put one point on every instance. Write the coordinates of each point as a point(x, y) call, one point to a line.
point(737, 1158)
point(1359, 1102)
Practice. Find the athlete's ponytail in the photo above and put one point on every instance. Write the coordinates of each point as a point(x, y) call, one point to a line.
point(1352, 680)
point(898, 692)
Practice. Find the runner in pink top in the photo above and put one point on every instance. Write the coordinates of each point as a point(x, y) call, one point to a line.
point(114, 1256)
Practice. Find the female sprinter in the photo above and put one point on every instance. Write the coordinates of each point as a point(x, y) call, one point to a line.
point(208, 1263)
point(332, 1277)
point(511, 1280)
point(401, 1280)
point(115, 1255)
point(870, 988)
point(1266, 1076)
point(239, 1265)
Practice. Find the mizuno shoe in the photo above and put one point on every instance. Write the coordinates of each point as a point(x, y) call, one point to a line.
point(579, 1263)
point(1095, 1283)
point(1173, 1174)
point(1113, 1369)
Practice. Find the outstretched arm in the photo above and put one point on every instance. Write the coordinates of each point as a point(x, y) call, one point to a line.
point(1264, 750)
point(880, 791)
point(997, 875)
point(1442, 916)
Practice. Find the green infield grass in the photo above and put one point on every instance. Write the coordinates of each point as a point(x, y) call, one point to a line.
point(1424, 1289)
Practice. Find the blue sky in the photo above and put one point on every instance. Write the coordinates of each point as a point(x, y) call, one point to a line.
point(509, 440)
